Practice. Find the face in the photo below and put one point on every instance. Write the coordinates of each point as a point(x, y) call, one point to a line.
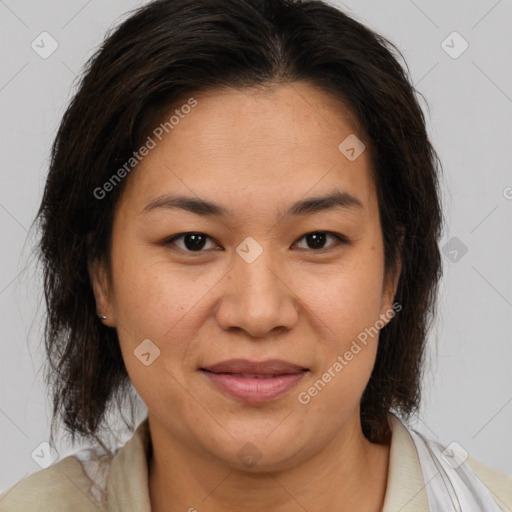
point(257, 277)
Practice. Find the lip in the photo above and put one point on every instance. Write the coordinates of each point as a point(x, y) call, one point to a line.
point(227, 376)
point(268, 367)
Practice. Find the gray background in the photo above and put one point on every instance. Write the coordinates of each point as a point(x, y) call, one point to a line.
point(468, 391)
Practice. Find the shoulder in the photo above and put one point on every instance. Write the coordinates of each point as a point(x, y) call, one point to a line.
point(500, 484)
point(406, 481)
point(68, 484)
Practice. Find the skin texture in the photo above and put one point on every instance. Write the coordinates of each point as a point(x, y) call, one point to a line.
point(255, 152)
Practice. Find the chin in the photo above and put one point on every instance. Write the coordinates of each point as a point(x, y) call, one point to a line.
point(257, 451)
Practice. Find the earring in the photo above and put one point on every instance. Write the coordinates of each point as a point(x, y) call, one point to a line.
point(103, 317)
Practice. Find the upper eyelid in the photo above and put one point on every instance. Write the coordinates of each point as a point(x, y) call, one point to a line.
point(338, 236)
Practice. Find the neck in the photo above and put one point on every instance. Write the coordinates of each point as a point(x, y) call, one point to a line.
point(348, 474)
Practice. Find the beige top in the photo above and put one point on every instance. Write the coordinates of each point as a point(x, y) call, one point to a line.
point(84, 486)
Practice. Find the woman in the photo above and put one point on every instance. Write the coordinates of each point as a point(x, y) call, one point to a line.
point(241, 220)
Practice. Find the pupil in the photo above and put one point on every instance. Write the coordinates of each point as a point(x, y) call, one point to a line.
point(316, 240)
point(194, 242)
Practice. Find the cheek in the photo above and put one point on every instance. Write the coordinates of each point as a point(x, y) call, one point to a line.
point(150, 296)
point(153, 304)
point(348, 307)
point(163, 303)
point(350, 300)
point(347, 351)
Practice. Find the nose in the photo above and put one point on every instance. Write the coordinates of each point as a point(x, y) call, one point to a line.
point(258, 298)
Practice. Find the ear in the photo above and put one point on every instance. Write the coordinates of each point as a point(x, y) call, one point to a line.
point(390, 284)
point(101, 286)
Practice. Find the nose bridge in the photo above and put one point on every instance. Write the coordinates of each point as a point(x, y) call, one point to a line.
point(256, 277)
point(259, 301)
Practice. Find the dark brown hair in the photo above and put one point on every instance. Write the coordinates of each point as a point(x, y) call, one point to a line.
point(171, 49)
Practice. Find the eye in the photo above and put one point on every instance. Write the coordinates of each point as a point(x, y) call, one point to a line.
point(317, 240)
point(192, 242)
point(195, 242)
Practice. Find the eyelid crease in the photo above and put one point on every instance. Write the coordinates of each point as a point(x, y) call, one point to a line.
point(340, 240)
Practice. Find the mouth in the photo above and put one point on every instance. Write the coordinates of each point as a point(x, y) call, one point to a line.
point(254, 382)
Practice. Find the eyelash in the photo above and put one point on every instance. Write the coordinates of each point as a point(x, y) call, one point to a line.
point(340, 240)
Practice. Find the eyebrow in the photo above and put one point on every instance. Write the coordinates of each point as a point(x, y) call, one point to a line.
point(335, 200)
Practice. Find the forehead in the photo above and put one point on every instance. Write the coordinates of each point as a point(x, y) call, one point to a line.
point(259, 144)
